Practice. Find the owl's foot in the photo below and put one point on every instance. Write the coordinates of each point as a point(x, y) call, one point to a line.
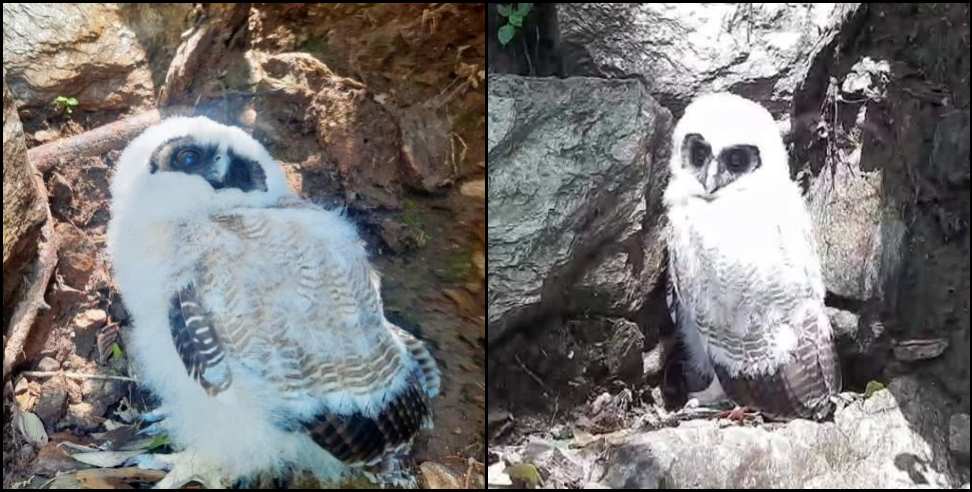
point(740, 415)
point(392, 473)
point(156, 421)
point(183, 467)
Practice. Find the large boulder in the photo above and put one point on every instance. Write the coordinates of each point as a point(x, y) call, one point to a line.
point(897, 438)
point(107, 56)
point(574, 166)
point(682, 50)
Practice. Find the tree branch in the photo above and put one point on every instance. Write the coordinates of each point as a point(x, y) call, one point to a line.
point(33, 301)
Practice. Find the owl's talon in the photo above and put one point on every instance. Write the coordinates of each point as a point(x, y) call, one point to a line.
point(155, 429)
point(185, 468)
point(153, 416)
point(149, 462)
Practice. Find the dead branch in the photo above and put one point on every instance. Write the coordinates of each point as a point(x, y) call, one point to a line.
point(76, 375)
point(33, 301)
point(94, 142)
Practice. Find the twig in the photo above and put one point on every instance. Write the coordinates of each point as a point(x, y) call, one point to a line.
point(97, 141)
point(531, 373)
point(76, 375)
point(33, 301)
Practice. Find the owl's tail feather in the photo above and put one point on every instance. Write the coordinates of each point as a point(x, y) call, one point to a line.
point(359, 440)
point(800, 388)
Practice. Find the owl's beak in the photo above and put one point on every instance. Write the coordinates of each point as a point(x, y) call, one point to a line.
point(709, 181)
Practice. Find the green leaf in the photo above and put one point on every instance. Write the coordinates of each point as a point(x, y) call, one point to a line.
point(61, 100)
point(506, 34)
point(516, 19)
point(116, 351)
point(72, 101)
point(504, 10)
point(523, 8)
point(158, 442)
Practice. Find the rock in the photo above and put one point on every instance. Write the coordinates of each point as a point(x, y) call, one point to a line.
point(23, 213)
point(498, 423)
point(608, 349)
point(439, 477)
point(612, 286)
point(759, 51)
point(883, 152)
point(844, 323)
point(48, 364)
point(570, 163)
point(915, 350)
point(81, 416)
point(858, 242)
point(561, 363)
point(91, 319)
point(51, 403)
point(428, 158)
point(496, 475)
point(97, 53)
point(895, 439)
point(653, 361)
point(958, 440)
point(359, 136)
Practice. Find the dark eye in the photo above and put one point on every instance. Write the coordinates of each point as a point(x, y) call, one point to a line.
point(737, 160)
point(187, 158)
point(699, 155)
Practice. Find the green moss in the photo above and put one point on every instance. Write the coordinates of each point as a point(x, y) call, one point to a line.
point(525, 475)
point(872, 387)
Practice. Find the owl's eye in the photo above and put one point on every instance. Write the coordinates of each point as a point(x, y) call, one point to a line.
point(699, 155)
point(187, 158)
point(737, 160)
point(741, 159)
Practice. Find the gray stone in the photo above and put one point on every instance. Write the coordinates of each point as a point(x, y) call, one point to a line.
point(756, 50)
point(48, 364)
point(958, 440)
point(857, 239)
point(844, 323)
point(570, 164)
point(50, 405)
point(916, 350)
point(895, 439)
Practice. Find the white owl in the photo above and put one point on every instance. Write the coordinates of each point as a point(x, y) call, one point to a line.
point(257, 318)
point(748, 295)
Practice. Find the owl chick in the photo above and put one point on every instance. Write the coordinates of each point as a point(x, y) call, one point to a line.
point(257, 317)
point(747, 294)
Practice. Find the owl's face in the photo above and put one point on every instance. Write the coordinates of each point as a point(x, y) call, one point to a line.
point(187, 167)
point(221, 166)
point(717, 170)
point(722, 144)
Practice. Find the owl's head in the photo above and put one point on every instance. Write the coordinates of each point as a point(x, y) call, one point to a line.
point(184, 165)
point(723, 143)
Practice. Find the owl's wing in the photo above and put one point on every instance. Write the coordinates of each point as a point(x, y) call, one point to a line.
point(698, 370)
point(800, 387)
point(198, 342)
point(767, 335)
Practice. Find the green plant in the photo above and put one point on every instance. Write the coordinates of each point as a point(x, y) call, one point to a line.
point(514, 13)
point(65, 104)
